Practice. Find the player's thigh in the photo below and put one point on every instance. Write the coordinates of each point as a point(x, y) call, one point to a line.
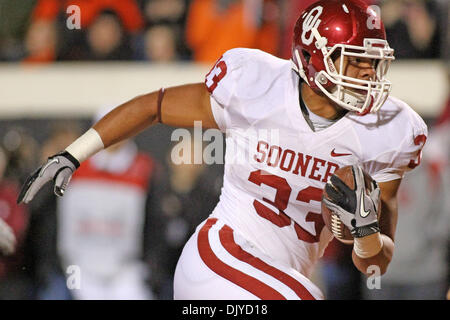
point(217, 263)
point(194, 280)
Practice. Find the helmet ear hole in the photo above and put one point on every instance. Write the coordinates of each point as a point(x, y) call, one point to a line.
point(335, 55)
point(306, 55)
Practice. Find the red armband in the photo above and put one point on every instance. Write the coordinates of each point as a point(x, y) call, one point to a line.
point(161, 93)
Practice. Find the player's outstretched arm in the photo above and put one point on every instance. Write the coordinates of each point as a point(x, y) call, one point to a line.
point(180, 107)
point(177, 106)
point(387, 223)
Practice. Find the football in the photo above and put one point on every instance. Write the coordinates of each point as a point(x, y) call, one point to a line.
point(331, 220)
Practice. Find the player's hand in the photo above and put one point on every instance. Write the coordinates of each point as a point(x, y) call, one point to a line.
point(7, 239)
point(58, 168)
point(355, 208)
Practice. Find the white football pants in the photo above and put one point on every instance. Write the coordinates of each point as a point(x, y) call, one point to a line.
point(219, 264)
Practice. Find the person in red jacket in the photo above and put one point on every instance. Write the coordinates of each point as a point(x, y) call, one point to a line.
point(13, 226)
point(7, 237)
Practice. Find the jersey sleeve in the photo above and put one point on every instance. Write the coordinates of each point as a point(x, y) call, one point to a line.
point(235, 82)
point(221, 83)
point(404, 155)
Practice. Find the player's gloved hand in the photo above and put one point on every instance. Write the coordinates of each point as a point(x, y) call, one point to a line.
point(7, 239)
point(58, 168)
point(355, 208)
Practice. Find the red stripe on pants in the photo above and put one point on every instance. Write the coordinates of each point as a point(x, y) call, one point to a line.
point(249, 283)
point(227, 240)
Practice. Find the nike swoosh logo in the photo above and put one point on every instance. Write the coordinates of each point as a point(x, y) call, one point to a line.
point(362, 211)
point(335, 154)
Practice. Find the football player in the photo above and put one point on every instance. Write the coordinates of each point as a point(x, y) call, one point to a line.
point(331, 107)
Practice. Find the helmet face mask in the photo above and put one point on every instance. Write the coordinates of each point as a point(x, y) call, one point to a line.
point(376, 90)
point(315, 61)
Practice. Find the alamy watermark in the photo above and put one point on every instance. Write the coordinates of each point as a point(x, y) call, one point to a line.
point(207, 147)
point(374, 21)
point(74, 17)
point(73, 279)
point(374, 279)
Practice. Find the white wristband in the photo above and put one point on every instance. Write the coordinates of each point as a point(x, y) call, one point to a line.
point(368, 246)
point(85, 146)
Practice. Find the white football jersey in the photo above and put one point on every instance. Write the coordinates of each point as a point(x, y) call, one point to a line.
point(276, 166)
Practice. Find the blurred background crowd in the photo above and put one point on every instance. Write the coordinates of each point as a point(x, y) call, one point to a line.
point(199, 30)
point(131, 209)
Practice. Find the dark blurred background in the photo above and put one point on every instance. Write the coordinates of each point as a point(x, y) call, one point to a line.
point(58, 69)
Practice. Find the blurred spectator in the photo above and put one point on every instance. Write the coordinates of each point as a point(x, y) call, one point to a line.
point(207, 27)
point(14, 16)
point(50, 16)
point(164, 38)
point(215, 26)
point(22, 149)
point(164, 11)
point(41, 41)
point(419, 268)
point(42, 259)
point(127, 10)
point(445, 17)
point(192, 194)
point(102, 224)
point(15, 282)
point(160, 44)
point(7, 237)
point(106, 39)
point(413, 27)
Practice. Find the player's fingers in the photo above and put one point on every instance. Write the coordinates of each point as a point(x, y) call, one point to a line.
point(345, 197)
point(343, 215)
point(375, 194)
point(331, 205)
point(340, 186)
point(62, 180)
point(374, 185)
point(333, 193)
point(26, 186)
point(375, 197)
point(35, 186)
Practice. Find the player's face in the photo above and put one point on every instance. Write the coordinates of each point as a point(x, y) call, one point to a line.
point(359, 68)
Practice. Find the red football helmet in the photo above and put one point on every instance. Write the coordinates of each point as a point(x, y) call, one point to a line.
point(347, 28)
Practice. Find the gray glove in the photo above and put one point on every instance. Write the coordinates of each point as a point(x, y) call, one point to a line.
point(58, 168)
point(7, 239)
point(355, 208)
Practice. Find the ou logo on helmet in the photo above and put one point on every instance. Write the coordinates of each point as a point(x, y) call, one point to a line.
point(311, 21)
